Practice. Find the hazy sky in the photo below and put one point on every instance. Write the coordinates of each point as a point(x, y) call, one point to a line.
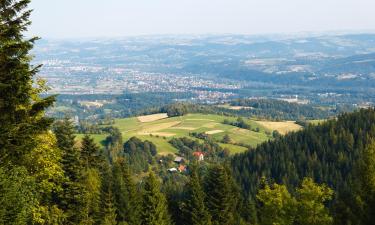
point(113, 18)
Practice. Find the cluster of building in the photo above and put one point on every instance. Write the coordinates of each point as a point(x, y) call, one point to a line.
point(180, 162)
point(92, 79)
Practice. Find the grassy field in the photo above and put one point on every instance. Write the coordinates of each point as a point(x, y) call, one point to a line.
point(162, 130)
point(282, 127)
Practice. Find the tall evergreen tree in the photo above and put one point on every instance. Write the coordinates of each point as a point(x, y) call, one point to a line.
point(221, 199)
point(27, 150)
point(108, 212)
point(21, 107)
point(72, 199)
point(197, 213)
point(90, 153)
point(127, 199)
point(154, 205)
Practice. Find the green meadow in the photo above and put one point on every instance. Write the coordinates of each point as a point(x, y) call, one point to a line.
point(161, 131)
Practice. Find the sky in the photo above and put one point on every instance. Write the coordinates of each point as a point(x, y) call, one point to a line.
point(120, 18)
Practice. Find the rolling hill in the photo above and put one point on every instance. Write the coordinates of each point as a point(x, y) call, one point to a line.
point(160, 129)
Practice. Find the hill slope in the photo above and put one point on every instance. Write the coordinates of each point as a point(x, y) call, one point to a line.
point(160, 129)
point(330, 153)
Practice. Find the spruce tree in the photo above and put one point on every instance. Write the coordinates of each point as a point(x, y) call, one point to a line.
point(21, 107)
point(221, 199)
point(197, 213)
point(90, 153)
point(108, 213)
point(25, 143)
point(109, 210)
point(127, 199)
point(154, 205)
point(72, 198)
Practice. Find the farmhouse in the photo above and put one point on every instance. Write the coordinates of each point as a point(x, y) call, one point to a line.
point(199, 155)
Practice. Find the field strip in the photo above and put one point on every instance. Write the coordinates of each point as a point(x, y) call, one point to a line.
point(281, 127)
point(201, 119)
point(153, 117)
point(161, 134)
point(158, 127)
point(184, 128)
point(214, 131)
point(210, 125)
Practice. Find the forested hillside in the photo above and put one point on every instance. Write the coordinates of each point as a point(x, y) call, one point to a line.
point(338, 153)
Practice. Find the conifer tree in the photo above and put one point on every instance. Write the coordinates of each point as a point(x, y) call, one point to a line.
point(72, 199)
point(127, 199)
point(21, 107)
point(154, 205)
point(26, 147)
point(90, 153)
point(108, 212)
point(221, 199)
point(197, 213)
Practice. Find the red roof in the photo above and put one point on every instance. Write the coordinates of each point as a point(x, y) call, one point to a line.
point(198, 154)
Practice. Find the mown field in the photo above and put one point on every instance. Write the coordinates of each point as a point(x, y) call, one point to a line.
point(162, 129)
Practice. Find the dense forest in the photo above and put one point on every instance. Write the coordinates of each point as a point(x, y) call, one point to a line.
point(338, 153)
point(321, 175)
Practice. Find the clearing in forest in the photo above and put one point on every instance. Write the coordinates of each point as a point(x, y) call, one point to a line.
point(282, 127)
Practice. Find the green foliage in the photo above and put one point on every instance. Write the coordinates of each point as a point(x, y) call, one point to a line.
point(278, 206)
point(212, 150)
point(310, 203)
point(72, 198)
point(177, 109)
point(240, 122)
point(21, 108)
point(221, 195)
point(92, 185)
point(17, 196)
point(139, 154)
point(197, 213)
point(90, 153)
point(154, 205)
point(226, 139)
point(127, 199)
point(329, 153)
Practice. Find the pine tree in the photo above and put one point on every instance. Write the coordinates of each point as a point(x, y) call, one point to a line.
point(108, 212)
point(27, 150)
point(21, 107)
point(197, 213)
point(64, 132)
point(90, 153)
point(127, 199)
point(221, 199)
point(154, 205)
point(72, 198)
point(365, 190)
